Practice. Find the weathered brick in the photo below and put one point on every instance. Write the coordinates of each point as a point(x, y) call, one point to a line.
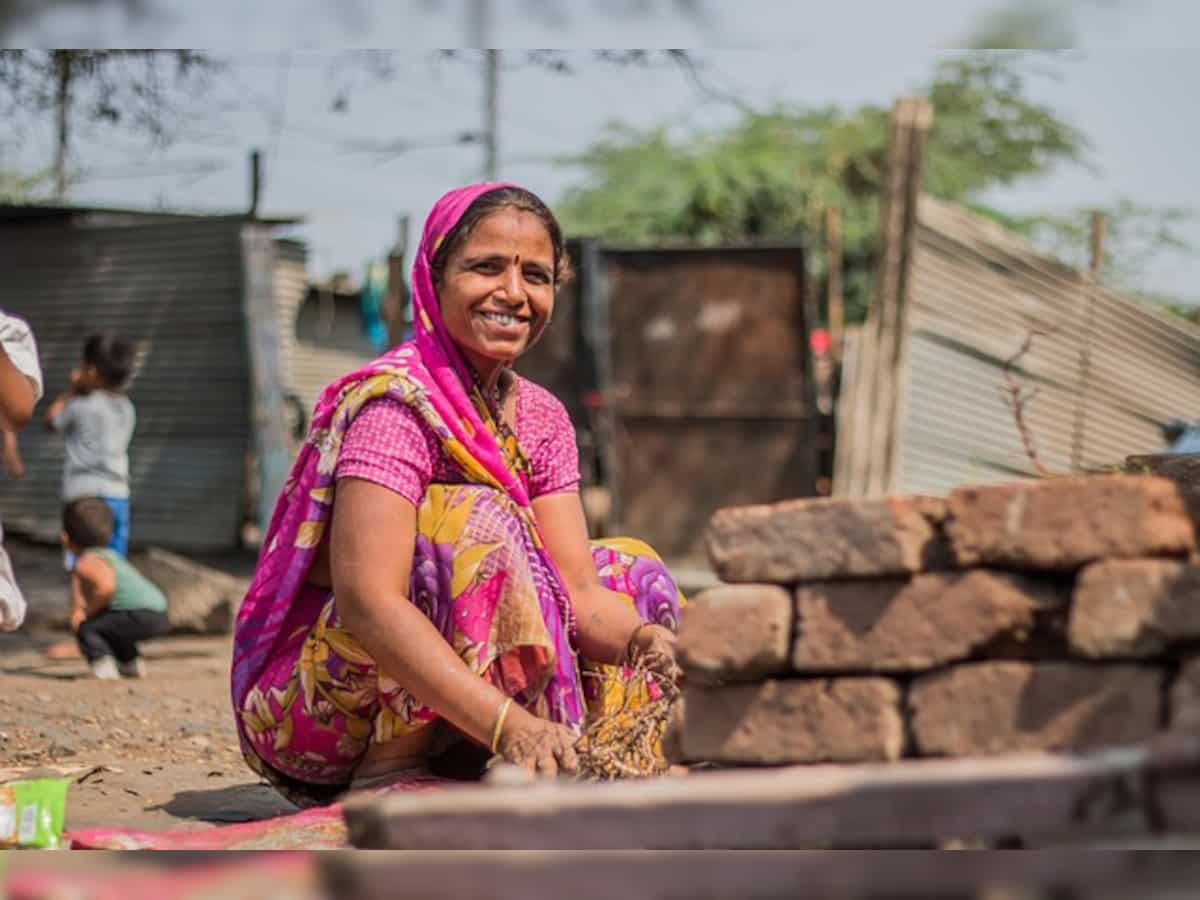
point(776, 722)
point(1185, 697)
point(1181, 468)
point(736, 632)
point(1062, 523)
point(822, 538)
point(1134, 607)
point(999, 707)
point(913, 624)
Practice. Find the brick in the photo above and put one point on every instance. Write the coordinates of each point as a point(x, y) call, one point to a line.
point(1062, 523)
point(1185, 697)
point(736, 632)
point(1134, 608)
point(818, 539)
point(914, 624)
point(776, 722)
point(1181, 468)
point(999, 707)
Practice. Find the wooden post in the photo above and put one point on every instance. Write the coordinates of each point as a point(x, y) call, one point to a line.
point(835, 310)
point(1099, 227)
point(911, 120)
point(1090, 286)
point(396, 300)
point(62, 109)
point(255, 182)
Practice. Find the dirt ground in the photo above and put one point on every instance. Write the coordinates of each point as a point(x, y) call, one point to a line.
point(166, 744)
point(165, 747)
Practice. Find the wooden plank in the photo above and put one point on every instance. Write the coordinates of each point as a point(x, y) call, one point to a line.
point(899, 235)
point(914, 803)
point(752, 875)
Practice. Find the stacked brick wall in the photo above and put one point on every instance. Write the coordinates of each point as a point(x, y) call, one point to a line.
point(1061, 614)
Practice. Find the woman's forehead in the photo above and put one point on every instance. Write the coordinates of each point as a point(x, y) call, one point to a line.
point(507, 229)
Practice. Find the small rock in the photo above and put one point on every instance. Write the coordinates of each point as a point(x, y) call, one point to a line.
point(507, 775)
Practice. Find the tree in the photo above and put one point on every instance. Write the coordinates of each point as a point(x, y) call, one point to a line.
point(772, 175)
point(1135, 235)
point(113, 87)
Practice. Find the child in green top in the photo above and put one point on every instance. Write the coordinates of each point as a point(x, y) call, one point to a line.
point(113, 605)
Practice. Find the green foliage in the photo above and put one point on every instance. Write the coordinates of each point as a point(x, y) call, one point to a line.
point(1026, 24)
point(1134, 235)
point(773, 173)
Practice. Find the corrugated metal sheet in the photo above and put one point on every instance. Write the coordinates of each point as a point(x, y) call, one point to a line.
point(291, 287)
point(329, 342)
point(1107, 370)
point(176, 290)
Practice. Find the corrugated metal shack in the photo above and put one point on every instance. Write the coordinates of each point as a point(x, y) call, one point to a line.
point(329, 340)
point(923, 403)
point(185, 289)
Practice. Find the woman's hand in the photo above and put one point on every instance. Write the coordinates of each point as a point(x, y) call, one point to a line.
point(545, 748)
point(654, 646)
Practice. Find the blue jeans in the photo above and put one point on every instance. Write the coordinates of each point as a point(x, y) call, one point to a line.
point(120, 535)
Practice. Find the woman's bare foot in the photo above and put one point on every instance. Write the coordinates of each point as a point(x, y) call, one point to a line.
point(392, 759)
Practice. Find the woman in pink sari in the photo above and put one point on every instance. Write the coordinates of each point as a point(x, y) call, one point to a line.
point(428, 560)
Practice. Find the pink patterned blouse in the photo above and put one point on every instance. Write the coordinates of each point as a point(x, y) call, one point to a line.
point(390, 445)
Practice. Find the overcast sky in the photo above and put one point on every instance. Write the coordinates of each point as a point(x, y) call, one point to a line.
point(1126, 88)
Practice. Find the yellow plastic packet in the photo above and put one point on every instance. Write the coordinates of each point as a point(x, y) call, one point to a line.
point(32, 813)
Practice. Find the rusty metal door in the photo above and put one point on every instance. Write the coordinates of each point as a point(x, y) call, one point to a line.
point(707, 383)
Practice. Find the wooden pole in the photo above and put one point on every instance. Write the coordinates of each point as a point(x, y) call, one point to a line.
point(62, 107)
point(491, 113)
point(835, 309)
point(255, 181)
point(397, 292)
point(910, 124)
point(1099, 228)
point(1095, 269)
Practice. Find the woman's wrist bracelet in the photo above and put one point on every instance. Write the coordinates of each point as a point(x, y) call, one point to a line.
point(499, 726)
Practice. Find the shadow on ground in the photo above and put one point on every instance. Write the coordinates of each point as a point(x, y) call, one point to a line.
point(247, 802)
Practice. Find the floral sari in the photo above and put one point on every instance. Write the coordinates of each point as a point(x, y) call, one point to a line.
point(307, 698)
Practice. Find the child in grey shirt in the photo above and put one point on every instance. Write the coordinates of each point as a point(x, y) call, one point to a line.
point(97, 420)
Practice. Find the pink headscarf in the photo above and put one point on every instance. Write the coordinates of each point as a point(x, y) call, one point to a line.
point(430, 374)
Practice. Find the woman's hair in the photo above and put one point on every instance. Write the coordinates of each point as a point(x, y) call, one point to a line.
point(494, 201)
point(112, 356)
point(88, 522)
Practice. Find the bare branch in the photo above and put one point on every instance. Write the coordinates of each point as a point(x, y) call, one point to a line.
point(1017, 397)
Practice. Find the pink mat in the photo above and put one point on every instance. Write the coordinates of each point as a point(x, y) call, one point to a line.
point(261, 877)
point(320, 828)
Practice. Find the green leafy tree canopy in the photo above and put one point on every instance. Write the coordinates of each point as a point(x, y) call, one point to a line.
point(772, 174)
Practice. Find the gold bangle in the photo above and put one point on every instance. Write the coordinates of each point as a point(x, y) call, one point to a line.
point(500, 717)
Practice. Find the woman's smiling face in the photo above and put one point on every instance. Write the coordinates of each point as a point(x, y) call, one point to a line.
point(497, 290)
